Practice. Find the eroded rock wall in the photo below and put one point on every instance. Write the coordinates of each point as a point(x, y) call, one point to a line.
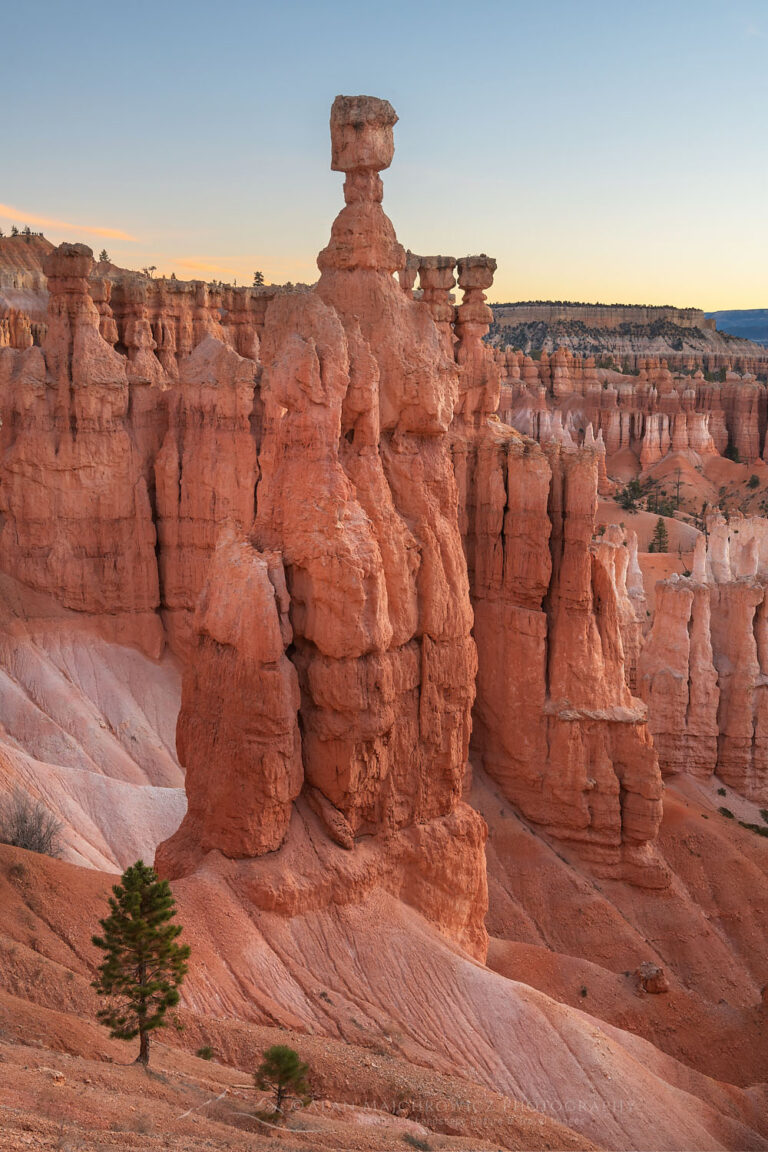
point(704, 665)
point(555, 723)
point(296, 490)
point(647, 409)
point(77, 514)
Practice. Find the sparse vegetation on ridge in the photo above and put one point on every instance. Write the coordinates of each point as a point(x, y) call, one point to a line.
point(144, 967)
point(27, 823)
point(283, 1073)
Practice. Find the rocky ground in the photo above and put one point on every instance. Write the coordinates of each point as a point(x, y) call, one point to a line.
point(67, 1085)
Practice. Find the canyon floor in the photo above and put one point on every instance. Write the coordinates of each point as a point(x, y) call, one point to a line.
point(387, 1059)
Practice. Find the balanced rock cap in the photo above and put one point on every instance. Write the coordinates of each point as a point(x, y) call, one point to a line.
point(361, 133)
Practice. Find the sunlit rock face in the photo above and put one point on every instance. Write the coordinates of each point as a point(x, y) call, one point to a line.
point(77, 513)
point(556, 725)
point(370, 587)
point(704, 665)
point(361, 384)
point(354, 566)
point(295, 491)
point(638, 409)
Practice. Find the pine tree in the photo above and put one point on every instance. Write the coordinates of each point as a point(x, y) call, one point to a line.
point(258, 279)
point(660, 541)
point(143, 967)
point(104, 256)
point(283, 1073)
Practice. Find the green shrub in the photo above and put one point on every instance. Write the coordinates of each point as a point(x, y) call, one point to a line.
point(628, 497)
point(206, 1052)
point(754, 828)
point(27, 823)
point(143, 966)
point(283, 1073)
point(660, 541)
point(726, 812)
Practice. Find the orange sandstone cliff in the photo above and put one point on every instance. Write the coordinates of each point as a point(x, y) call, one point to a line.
point(703, 668)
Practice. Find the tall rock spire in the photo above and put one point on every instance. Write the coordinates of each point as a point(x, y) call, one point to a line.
point(362, 144)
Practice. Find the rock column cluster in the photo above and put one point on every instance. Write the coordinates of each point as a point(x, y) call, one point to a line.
point(296, 489)
point(704, 668)
point(77, 512)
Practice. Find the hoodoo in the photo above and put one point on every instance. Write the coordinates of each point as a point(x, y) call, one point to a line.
point(704, 664)
point(555, 723)
point(353, 565)
point(365, 390)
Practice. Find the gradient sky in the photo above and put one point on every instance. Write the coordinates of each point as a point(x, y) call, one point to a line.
point(613, 151)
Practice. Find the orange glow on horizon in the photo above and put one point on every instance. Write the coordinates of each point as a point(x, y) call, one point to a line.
point(49, 222)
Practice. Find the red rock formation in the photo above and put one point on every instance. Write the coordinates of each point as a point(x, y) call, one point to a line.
point(436, 279)
point(205, 474)
point(238, 728)
point(356, 493)
point(112, 444)
point(356, 498)
point(330, 670)
point(555, 724)
point(101, 293)
point(648, 414)
point(77, 515)
point(745, 413)
point(702, 670)
point(677, 679)
point(651, 978)
point(615, 550)
point(479, 374)
point(17, 330)
point(407, 274)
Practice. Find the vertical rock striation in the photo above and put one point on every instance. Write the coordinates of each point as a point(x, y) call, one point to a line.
point(76, 505)
point(704, 668)
point(556, 725)
point(356, 503)
point(238, 733)
point(205, 474)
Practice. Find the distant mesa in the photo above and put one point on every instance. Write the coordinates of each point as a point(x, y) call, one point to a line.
point(748, 323)
point(597, 315)
point(629, 332)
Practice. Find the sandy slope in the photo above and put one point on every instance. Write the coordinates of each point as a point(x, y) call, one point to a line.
point(88, 727)
point(581, 939)
point(47, 1002)
point(374, 975)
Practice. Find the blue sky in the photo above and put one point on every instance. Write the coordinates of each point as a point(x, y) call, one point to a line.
point(612, 151)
